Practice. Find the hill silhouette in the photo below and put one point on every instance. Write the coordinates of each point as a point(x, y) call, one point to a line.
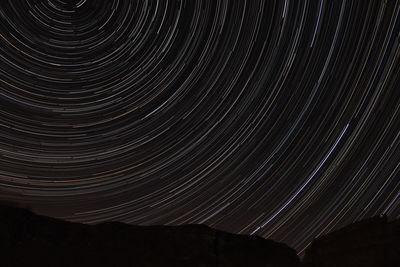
point(373, 242)
point(27, 239)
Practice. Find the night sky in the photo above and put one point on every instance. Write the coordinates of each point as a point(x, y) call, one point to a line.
point(275, 118)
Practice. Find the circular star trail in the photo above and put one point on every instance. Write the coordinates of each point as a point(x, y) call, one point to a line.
point(275, 118)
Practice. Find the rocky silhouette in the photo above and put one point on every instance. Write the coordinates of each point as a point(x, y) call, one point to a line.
point(370, 243)
point(27, 239)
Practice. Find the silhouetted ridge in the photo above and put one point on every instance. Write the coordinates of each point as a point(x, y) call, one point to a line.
point(27, 239)
point(371, 242)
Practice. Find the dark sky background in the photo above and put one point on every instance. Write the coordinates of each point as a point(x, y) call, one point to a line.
point(275, 118)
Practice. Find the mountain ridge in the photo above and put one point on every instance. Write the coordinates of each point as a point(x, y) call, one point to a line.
point(46, 241)
point(28, 239)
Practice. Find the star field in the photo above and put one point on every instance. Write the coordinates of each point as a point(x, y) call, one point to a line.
point(275, 118)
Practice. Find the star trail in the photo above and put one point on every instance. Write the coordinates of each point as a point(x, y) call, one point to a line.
point(274, 118)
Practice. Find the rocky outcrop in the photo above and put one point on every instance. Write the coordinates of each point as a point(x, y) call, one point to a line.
point(27, 239)
point(370, 243)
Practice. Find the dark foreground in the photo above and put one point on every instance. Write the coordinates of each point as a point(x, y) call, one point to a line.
point(27, 239)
